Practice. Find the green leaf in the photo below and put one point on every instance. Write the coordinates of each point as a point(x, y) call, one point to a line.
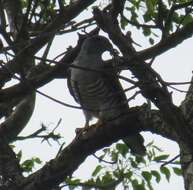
point(187, 19)
point(177, 171)
point(86, 188)
point(114, 156)
point(136, 186)
point(140, 159)
point(157, 148)
point(122, 149)
point(151, 41)
point(176, 18)
point(164, 170)
point(150, 6)
point(134, 164)
point(150, 144)
point(74, 181)
point(177, 162)
point(161, 157)
point(149, 185)
point(106, 150)
point(147, 17)
point(147, 175)
point(107, 178)
point(156, 175)
point(128, 174)
point(37, 160)
point(123, 23)
point(97, 170)
point(19, 155)
point(146, 31)
point(27, 165)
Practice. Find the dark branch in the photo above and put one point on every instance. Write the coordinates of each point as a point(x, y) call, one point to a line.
point(168, 43)
point(55, 171)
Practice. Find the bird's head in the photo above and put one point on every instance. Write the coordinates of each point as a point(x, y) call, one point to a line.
point(97, 44)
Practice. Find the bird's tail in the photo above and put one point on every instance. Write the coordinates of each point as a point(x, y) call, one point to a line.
point(135, 144)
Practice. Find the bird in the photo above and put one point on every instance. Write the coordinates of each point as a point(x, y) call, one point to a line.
point(94, 85)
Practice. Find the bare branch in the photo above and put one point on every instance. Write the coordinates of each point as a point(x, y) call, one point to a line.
point(168, 43)
point(151, 85)
point(67, 14)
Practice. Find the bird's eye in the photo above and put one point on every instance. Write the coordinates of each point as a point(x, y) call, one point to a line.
point(106, 55)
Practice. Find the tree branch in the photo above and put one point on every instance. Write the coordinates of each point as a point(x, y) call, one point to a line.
point(10, 171)
point(95, 138)
point(151, 85)
point(167, 43)
point(18, 119)
point(43, 74)
point(187, 104)
point(66, 15)
point(14, 15)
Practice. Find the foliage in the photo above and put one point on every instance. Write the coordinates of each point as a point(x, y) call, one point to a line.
point(118, 167)
point(155, 16)
point(28, 29)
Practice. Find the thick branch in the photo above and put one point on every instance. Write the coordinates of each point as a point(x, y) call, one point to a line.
point(187, 104)
point(43, 74)
point(10, 171)
point(167, 43)
point(95, 138)
point(66, 15)
point(14, 124)
point(14, 14)
point(151, 85)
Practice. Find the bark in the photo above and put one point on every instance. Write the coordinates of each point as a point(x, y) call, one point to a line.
point(10, 171)
point(186, 152)
point(18, 119)
point(85, 144)
point(170, 121)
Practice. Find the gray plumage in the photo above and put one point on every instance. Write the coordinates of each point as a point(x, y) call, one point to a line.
point(95, 86)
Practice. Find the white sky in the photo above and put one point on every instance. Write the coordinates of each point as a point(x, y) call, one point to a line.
point(175, 65)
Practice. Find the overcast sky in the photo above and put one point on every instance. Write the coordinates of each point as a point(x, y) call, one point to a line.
point(174, 65)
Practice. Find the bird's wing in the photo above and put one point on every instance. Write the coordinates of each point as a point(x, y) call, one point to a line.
point(70, 86)
point(110, 76)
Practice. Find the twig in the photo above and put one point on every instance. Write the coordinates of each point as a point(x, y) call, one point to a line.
point(60, 149)
point(182, 91)
point(151, 61)
point(58, 101)
point(127, 80)
point(139, 24)
point(101, 160)
point(134, 95)
point(178, 83)
point(170, 161)
point(33, 135)
point(61, 54)
point(45, 54)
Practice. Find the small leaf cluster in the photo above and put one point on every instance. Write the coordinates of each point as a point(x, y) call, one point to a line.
point(29, 164)
point(118, 167)
point(155, 16)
